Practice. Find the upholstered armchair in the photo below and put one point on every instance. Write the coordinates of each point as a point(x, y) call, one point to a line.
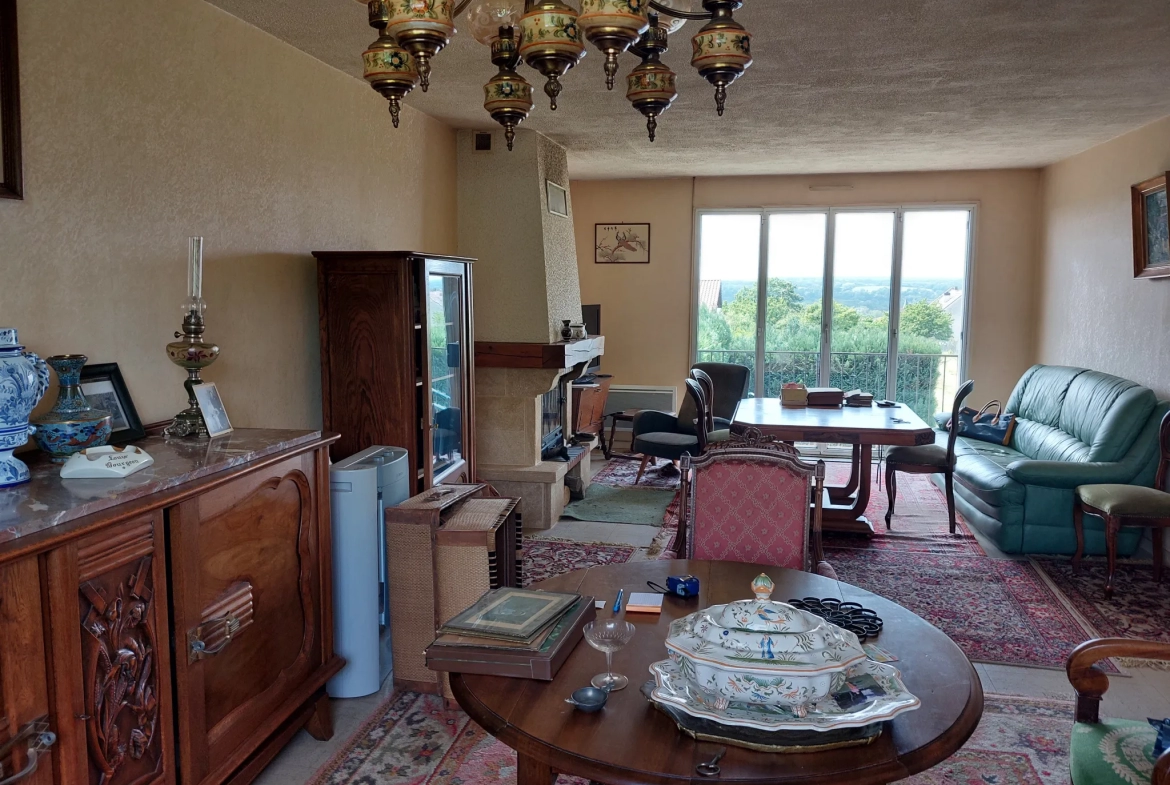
point(1112, 752)
point(753, 500)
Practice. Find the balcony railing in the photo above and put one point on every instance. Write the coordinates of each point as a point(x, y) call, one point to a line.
point(925, 382)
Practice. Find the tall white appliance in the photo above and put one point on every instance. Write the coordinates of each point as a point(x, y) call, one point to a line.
point(360, 488)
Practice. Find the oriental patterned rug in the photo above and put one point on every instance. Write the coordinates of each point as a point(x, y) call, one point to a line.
point(997, 610)
point(413, 740)
point(545, 558)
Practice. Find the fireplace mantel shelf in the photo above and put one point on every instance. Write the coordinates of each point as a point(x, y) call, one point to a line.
point(546, 356)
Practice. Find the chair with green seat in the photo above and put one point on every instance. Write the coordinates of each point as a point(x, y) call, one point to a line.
point(1110, 751)
point(659, 435)
point(928, 459)
point(1127, 505)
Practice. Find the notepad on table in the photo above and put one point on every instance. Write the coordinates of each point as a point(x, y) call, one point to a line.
point(644, 602)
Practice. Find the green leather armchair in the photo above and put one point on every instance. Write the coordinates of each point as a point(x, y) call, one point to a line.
point(1074, 427)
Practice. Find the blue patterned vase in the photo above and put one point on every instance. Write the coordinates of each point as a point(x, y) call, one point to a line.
point(72, 424)
point(24, 377)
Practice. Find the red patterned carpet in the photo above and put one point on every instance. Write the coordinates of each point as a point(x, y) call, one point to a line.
point(1140, 607)
point(996, 610)
point(412, 740)
point(546, 558)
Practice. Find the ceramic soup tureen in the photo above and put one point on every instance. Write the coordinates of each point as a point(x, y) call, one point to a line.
point(761, 652)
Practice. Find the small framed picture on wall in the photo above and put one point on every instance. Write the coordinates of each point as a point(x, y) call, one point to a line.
point(621, 243)
point(1151, 233)
point(558, 199)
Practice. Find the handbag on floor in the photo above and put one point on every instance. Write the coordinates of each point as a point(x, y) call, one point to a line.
point(985, 426)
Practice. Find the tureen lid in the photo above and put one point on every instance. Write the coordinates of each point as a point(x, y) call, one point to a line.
point(763, 614)
point(8, 337)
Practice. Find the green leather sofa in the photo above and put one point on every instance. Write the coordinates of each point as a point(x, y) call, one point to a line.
point(1074, 427)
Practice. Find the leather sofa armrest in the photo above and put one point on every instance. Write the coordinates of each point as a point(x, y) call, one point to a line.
point(650, 421)
point(1069, 474)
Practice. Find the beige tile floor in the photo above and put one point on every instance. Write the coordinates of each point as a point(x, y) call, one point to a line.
point(1141, 693)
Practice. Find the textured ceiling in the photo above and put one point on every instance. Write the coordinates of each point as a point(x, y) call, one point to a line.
point(837, 85)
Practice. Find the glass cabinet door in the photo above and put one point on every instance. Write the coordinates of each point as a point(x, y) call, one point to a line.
point(445, 335)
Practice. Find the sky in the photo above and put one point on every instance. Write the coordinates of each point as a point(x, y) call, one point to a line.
point(934, 245)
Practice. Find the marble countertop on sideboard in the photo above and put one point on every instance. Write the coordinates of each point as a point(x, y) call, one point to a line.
point(47, 500)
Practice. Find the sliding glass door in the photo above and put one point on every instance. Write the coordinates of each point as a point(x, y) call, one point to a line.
point(870, 299)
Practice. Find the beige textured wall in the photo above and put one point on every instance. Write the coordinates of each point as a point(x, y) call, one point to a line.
point(526, 278)
point(1093, 313)
point(180, 119)
point(646, 309)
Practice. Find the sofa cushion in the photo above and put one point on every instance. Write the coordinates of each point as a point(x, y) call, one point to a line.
point(1039, 394)
point(1046, 443)
point(980, 466)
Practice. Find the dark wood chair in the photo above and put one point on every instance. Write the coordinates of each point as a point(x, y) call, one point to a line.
point(748, 500)
point(1111, 752)
point(1127, 505)
point(928, 459)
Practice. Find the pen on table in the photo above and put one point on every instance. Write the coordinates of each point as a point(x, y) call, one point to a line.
point(617, 604)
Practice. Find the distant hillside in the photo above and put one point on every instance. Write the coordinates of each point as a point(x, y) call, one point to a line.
point(868, 295)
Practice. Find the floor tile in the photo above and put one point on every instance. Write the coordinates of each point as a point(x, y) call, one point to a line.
point(1028, 682)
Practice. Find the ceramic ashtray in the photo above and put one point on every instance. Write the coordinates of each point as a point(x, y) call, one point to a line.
point(588, 699)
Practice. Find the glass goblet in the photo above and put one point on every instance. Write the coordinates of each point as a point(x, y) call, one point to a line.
point(609, 635)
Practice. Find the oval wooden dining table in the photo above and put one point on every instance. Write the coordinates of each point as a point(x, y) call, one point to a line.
point(629, 742)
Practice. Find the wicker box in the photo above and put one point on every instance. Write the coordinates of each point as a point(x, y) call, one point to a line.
point(444, 549)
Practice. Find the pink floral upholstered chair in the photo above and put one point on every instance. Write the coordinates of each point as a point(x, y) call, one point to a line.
point(753, 500)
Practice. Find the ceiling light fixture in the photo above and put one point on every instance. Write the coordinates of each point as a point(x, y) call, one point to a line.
point(549, 36)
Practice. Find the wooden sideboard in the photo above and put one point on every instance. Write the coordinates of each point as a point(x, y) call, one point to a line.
point(174, 626)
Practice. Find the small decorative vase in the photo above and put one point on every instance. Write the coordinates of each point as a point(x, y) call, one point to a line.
point(567, 330)
point(72, 424)
point(24, 377)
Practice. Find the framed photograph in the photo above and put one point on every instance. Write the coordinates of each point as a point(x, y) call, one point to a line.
point(11, 177)
point(622, 243)
point(103, 388)
point(1151, 233)
point(558, 199)
point(211, 405)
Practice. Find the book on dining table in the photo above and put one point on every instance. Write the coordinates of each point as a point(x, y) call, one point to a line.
point(510, 614)
point(495, 657)
point(825, 396)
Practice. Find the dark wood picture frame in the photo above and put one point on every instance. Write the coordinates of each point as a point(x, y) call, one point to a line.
point(11, 170)
point(1142, 268)
point(601, 251)
point(109, 372)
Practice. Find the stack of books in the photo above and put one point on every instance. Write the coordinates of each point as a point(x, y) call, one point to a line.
point(858, 398)
point(512, 632)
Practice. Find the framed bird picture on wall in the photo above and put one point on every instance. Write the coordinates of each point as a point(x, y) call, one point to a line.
point(621, 243)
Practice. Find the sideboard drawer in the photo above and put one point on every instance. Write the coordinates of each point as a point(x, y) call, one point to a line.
point(248, 597)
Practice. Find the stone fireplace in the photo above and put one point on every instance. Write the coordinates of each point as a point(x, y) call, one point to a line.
point(525, 284)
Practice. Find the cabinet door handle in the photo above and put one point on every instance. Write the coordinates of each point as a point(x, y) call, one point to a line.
point(39, 738)
point(199, 650)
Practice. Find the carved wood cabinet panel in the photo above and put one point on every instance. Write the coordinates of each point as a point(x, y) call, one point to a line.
point(248, 611)
point(24, 695)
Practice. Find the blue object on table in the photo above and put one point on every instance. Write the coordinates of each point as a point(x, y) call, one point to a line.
point(1163, 742)
point(683, 585)
point(617, 604)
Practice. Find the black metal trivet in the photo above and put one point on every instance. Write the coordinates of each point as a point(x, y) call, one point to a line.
point(851, 616)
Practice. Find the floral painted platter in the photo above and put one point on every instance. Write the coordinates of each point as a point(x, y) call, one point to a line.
point(674, 688)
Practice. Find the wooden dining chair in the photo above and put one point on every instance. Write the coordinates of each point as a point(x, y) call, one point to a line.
point(929, 459)
point(708, 385)
point(1127, 505)
point(749, 501)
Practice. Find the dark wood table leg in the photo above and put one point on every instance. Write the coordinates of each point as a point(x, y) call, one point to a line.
point(530, 771)
point(848, 514)
point(843, 493)
point(320, 724)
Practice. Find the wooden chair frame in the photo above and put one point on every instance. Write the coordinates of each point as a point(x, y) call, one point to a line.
point(752, 445)
point(1114, 523)
point(948, 472)
point(1091, 683)
point(708, 385)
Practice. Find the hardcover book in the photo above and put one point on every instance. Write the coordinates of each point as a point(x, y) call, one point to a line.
point(511, 614)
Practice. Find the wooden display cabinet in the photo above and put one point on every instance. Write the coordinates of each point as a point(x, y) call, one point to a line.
point(397, 358)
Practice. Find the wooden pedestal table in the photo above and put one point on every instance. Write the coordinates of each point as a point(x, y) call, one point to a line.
point(859, 426)
point(630, 742)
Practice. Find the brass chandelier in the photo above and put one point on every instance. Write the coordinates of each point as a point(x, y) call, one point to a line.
point(549, 36)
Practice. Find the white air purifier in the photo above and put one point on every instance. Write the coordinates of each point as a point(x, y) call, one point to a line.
point(361, 487)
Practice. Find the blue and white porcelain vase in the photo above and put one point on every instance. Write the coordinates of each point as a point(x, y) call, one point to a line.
point(24, 377)
point(72, 424)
